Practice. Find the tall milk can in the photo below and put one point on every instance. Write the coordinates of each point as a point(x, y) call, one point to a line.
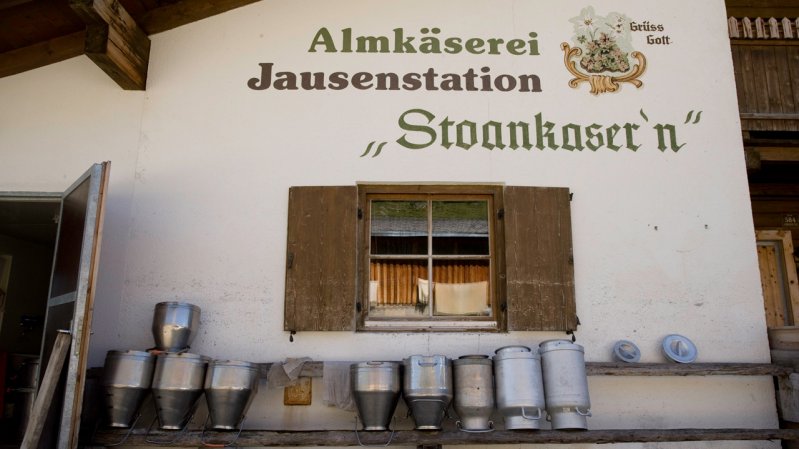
point(519, 387)
point(473, 376)
point(427, 389)
point(565, 384)
point(127, 377)
point(376, 391)
point(177, 385)
point(230, 386)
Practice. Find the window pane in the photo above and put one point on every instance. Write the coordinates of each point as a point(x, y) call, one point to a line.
point(398, 288)
point(460, 228)
point(398, 227)
point(461, 287)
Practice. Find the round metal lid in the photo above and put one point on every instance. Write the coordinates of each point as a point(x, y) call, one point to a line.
point(473, 359)
point(130, 353)
point(679, 349)
point(626, 351)
point(239, 363)
point(559, 345)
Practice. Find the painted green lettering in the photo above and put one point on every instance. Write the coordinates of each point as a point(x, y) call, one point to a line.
point(594, 132)
point(611, 132)
point(544, 129)
point(575, 132)
point(475, 46)
point(629, 128)
point(672, 138)
point(472, 129)
point(404, 125)
point(323, 38)
point(492, 129)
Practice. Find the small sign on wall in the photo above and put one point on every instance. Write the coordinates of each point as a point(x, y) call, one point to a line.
point(298, 392)
point(790, 220)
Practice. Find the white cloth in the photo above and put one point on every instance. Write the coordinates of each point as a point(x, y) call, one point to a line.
point(282, 374)
point(338, 391)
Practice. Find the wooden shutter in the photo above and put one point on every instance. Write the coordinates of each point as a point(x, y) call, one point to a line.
point(538, 259)
point(321, 259)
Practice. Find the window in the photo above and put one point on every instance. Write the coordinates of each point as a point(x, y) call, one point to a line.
point(429, 258)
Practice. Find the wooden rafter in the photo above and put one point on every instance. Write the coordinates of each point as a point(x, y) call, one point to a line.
point(183, 12)
point(115, 42)
point(42, 54)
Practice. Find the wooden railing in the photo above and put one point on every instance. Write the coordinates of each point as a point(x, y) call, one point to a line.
point(761, 28)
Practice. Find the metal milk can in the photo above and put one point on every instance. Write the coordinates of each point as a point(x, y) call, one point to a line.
point(473, 376)
point(376, 391)
point(427, 389)
point(127, 377)
point(229, 388)
point(175, 325)
point(565, 384)
point(519, 387)
point(177, 385)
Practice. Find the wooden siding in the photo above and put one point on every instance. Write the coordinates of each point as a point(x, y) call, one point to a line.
point(398, 280)
point(767, 79)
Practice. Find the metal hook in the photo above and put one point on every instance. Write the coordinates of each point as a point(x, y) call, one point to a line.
point(179, 434)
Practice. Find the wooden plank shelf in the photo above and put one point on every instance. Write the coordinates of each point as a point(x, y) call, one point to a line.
point(260, 438)
point(315, 369)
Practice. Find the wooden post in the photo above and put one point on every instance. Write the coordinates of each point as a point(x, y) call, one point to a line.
point(45, 396)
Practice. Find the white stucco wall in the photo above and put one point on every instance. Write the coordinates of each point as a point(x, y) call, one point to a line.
point(201, 166)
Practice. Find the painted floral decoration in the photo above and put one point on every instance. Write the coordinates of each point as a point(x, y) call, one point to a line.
point(605, 41)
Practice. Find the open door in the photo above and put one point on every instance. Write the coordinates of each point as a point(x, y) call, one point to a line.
point(71, 297)
point(778, 276)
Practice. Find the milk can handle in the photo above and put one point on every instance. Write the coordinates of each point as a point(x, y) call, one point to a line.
point(587, 411)
point(536, 418)
point(374, 363)
point(421, 363)
point(358, 437)
point(490, 428)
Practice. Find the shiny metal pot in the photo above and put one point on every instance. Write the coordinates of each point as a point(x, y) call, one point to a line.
point(519, 387)
point(177, 385)
point(473, 377)
point(175, 325)
point(127, 377)
point(376, 391)
point(427, 389)
point(229, 388)
point(565, 384)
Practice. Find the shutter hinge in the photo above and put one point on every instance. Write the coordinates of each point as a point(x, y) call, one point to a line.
point(291, 336)
point(358, 307)
point(503, 307)
point(501, 214)
point(289, 260)
point(360, 213)
point(571, 196)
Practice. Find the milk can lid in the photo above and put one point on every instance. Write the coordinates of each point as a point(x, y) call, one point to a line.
point(626, 351)
point(473, 359)
point(132, 353)
point(559, 345)
point(678, 348)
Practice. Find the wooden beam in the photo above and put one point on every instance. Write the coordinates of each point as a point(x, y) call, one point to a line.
point(182, 12)
point(115, 42)
point(41, 406)
point(780, 154)
point(42, 54)
point(256, 438)
point(315, 369)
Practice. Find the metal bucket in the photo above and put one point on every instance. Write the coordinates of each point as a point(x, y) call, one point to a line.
point(427, 388)
point(126, 381)
point(175, 325)
point(474, 391)
point(177, 385)
point(376, 391)
point(230, 387)
point(519, 387)
point(565, 384)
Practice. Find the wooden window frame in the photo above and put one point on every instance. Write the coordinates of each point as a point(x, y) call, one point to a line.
point(490, 192)
point(327, 265)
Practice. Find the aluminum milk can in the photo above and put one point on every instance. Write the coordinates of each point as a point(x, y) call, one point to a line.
point(126, 381)
point(175, 325)
point(177, 385)
point(565, 384)
point(230, 387)
point(376, 391)
point(473, 376)
point(519, 387)
point(427, 389)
